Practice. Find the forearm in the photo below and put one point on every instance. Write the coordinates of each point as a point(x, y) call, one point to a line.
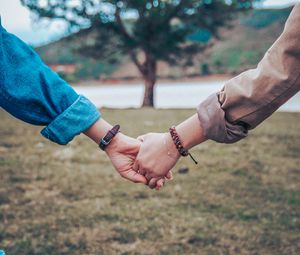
point(32, 92)
point(158, 153)
point(190, 132)
point(98, 130)
point(250, 98)
point(255, 94)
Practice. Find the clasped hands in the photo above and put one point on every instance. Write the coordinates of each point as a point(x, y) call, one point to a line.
point(147, 159)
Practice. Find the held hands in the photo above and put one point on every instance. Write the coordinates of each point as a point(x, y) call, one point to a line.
point(158, 153)
point(149, 158)
point(146, 160)
point(157, 156)
point(123, 151)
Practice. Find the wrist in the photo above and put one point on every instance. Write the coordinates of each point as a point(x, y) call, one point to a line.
point(190, 132)
point(171, 147)
point(98, 130)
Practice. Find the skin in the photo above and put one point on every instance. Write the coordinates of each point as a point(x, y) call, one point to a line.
point(158, 154)
point(122, 152)
point(150, 158)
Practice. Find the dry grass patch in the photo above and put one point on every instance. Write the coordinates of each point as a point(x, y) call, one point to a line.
point(241, 199)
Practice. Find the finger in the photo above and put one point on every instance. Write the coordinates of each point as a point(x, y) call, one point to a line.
point(160, 183)
point(148, 176)
point(136, 166)
point(135, 177)
point(169, 175)
point(152, 183)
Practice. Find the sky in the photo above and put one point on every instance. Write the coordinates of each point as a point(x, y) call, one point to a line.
point(18, 20)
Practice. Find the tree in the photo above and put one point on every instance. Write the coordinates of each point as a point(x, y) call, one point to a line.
point(147, 31)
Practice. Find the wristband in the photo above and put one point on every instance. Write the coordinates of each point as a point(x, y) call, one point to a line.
point(182, 151)
point(105, 141)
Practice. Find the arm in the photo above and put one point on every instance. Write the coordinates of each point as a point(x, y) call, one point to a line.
point(158, 153)
point(243, 103)
point(32, 92)
point(250, 98)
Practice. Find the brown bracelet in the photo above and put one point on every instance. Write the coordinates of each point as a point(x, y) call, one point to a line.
point(182, 151)
point(105, 141)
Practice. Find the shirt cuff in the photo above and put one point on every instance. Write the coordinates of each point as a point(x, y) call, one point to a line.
point(74, 120)
point(214, 123)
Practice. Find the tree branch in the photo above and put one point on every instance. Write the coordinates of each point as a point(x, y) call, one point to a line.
point(140, 66)
point(125, 33)
point(121, 24)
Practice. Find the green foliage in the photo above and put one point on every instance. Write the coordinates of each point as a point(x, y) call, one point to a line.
point(93, 69)
point(63, 55)
point(66, 50)
point(205, 69)
point(202, 36)
point(263, 18)
point(155, 29)
point(159, 29)
point(243, 48)
point(233, 58)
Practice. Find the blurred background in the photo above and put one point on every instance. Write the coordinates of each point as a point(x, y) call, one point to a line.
point(168, 56)
point(204, 53)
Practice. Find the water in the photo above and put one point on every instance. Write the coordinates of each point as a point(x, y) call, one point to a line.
point(167, 95)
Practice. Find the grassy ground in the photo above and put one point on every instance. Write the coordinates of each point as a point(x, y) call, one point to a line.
point(241, 199)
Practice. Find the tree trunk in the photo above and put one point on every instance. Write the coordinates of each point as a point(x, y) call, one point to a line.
point(150, 79)
point(149, 91)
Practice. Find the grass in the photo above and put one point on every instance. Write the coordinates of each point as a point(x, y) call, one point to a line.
point(241, 199)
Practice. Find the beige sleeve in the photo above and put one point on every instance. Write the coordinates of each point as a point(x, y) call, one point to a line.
point(248, 99)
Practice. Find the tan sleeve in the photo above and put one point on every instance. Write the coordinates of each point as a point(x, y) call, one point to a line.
point(248, 99)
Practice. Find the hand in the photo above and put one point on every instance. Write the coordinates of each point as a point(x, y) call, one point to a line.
point(159, 182)
point(122, 152)
point(156, 157)
point(158, 153)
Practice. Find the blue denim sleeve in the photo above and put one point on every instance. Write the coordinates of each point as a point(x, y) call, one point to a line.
point(32, 92)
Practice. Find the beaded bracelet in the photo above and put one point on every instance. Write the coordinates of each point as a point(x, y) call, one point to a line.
point(182, 151)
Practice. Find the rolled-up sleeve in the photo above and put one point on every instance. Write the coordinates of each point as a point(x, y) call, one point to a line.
point(214, 124)
point(78, 117)
point(32, 92)
point(250, 98)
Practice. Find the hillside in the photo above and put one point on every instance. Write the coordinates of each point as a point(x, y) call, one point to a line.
point(240, 48)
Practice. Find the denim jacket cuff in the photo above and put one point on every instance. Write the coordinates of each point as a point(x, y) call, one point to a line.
point(214, 123)
point(74, 120)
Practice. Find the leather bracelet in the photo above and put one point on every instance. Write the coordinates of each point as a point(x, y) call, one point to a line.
point(105, 141)
point(182, 151)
